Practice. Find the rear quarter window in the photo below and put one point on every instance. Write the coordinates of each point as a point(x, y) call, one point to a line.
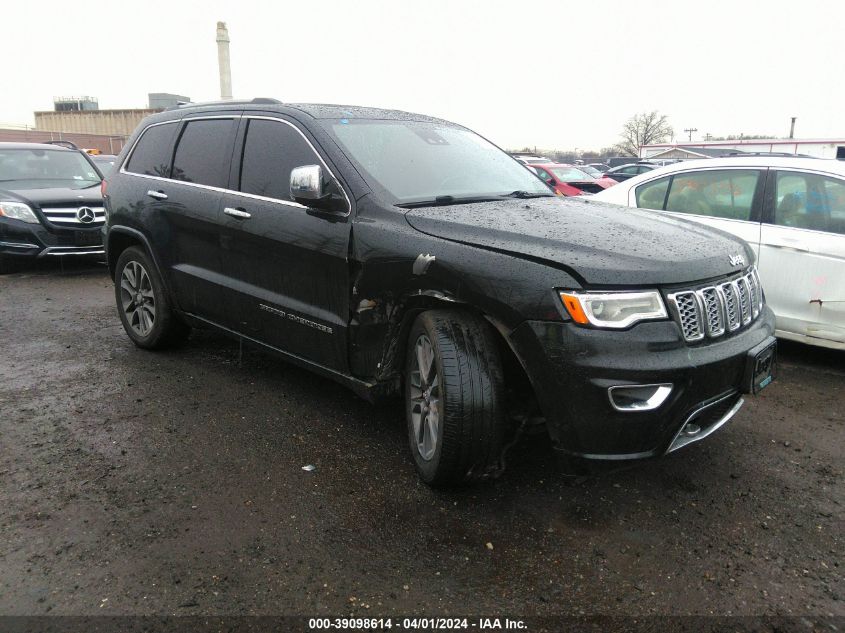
point(153, 151)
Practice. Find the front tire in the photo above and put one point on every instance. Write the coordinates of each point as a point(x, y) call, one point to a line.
point(142, 303)
point(454, 397)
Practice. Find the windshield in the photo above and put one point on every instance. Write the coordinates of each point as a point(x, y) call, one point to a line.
point(105, 164)
point(417, 161)
point(592, 171)
point(44, 168)
point(570, 174)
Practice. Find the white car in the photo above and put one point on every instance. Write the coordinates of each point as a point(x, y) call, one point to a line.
point(792, 213)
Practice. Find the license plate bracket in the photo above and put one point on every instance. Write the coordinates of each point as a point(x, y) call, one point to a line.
point(88, 238)
point(760, 366)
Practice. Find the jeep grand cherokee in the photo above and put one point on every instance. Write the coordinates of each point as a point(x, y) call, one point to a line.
point(397, 253)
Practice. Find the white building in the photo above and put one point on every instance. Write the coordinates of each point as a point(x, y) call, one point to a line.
point(818, 148)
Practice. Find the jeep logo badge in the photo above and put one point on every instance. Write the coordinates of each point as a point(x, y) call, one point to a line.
point(736, 260)
point(85, 215)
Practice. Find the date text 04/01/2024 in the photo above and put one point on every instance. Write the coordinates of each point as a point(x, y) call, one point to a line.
point(418, 624)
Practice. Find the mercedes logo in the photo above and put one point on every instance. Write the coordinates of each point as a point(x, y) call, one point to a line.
point(85, 215)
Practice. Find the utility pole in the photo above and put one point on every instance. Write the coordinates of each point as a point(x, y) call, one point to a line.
point(690, 130)
point(792, 128)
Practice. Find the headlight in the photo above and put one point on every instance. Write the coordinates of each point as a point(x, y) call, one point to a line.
point(613, 309)
point(17, 211)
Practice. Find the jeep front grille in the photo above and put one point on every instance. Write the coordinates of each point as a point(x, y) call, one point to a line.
point(711, 311)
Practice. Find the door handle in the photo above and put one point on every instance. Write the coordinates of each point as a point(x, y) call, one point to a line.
point(158, 195)
point(237, 213)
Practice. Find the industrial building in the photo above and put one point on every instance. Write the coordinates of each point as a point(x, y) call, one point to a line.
point(104, 122)
point(164, 100)
point(81, 115)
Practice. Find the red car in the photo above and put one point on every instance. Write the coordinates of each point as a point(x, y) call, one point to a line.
point(568, 180)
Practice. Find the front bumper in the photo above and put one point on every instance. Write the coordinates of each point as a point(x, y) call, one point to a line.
point(572, 369)
point(24, 240)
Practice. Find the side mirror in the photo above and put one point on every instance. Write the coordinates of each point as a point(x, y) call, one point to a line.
point(308, 187)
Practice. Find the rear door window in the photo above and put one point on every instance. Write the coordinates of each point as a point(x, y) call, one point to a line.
point(810, 201)
point(272, 149)
point(153, 151)
point(652, 195)
point(203, 153)
point(727, 193)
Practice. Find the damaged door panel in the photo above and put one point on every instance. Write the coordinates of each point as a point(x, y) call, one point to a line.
point(802, 256)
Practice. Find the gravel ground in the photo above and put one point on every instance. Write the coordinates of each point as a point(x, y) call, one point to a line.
point(171, 483)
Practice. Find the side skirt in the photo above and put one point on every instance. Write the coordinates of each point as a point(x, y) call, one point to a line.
point(367, 390)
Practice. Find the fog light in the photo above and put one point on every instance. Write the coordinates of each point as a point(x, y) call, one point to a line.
point(638, 397)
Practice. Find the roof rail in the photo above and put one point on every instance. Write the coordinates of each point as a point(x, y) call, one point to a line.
point(67, 144)
point(256, 100)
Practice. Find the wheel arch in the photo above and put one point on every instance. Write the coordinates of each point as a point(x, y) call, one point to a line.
point(119, 238)
point(392, 364)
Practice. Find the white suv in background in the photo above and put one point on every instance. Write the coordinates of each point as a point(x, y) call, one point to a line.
point(792, 213)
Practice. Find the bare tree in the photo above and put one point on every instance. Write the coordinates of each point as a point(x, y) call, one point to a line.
point(644, 129)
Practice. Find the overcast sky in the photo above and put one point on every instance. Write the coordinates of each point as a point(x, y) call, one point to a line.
point(553, 74)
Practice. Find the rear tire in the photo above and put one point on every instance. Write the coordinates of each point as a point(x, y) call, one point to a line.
point(142, 303)
point(454, 397)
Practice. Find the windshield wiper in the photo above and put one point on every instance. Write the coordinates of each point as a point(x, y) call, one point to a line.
point(525, 194)
point(447, 200)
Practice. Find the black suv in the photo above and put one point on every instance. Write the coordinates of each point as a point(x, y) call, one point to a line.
point(396, 253)
point(50, 203)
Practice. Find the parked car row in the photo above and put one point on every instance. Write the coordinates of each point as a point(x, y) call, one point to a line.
point(624, 172)
point(568, 180)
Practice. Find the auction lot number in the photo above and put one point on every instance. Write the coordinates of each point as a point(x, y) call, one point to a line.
point(414, 624)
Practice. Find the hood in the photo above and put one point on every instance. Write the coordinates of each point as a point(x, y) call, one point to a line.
point(55, 196)
point(597, 243)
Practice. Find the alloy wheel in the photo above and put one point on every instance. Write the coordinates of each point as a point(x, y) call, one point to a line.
point(137, 298)
point(425, 399)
